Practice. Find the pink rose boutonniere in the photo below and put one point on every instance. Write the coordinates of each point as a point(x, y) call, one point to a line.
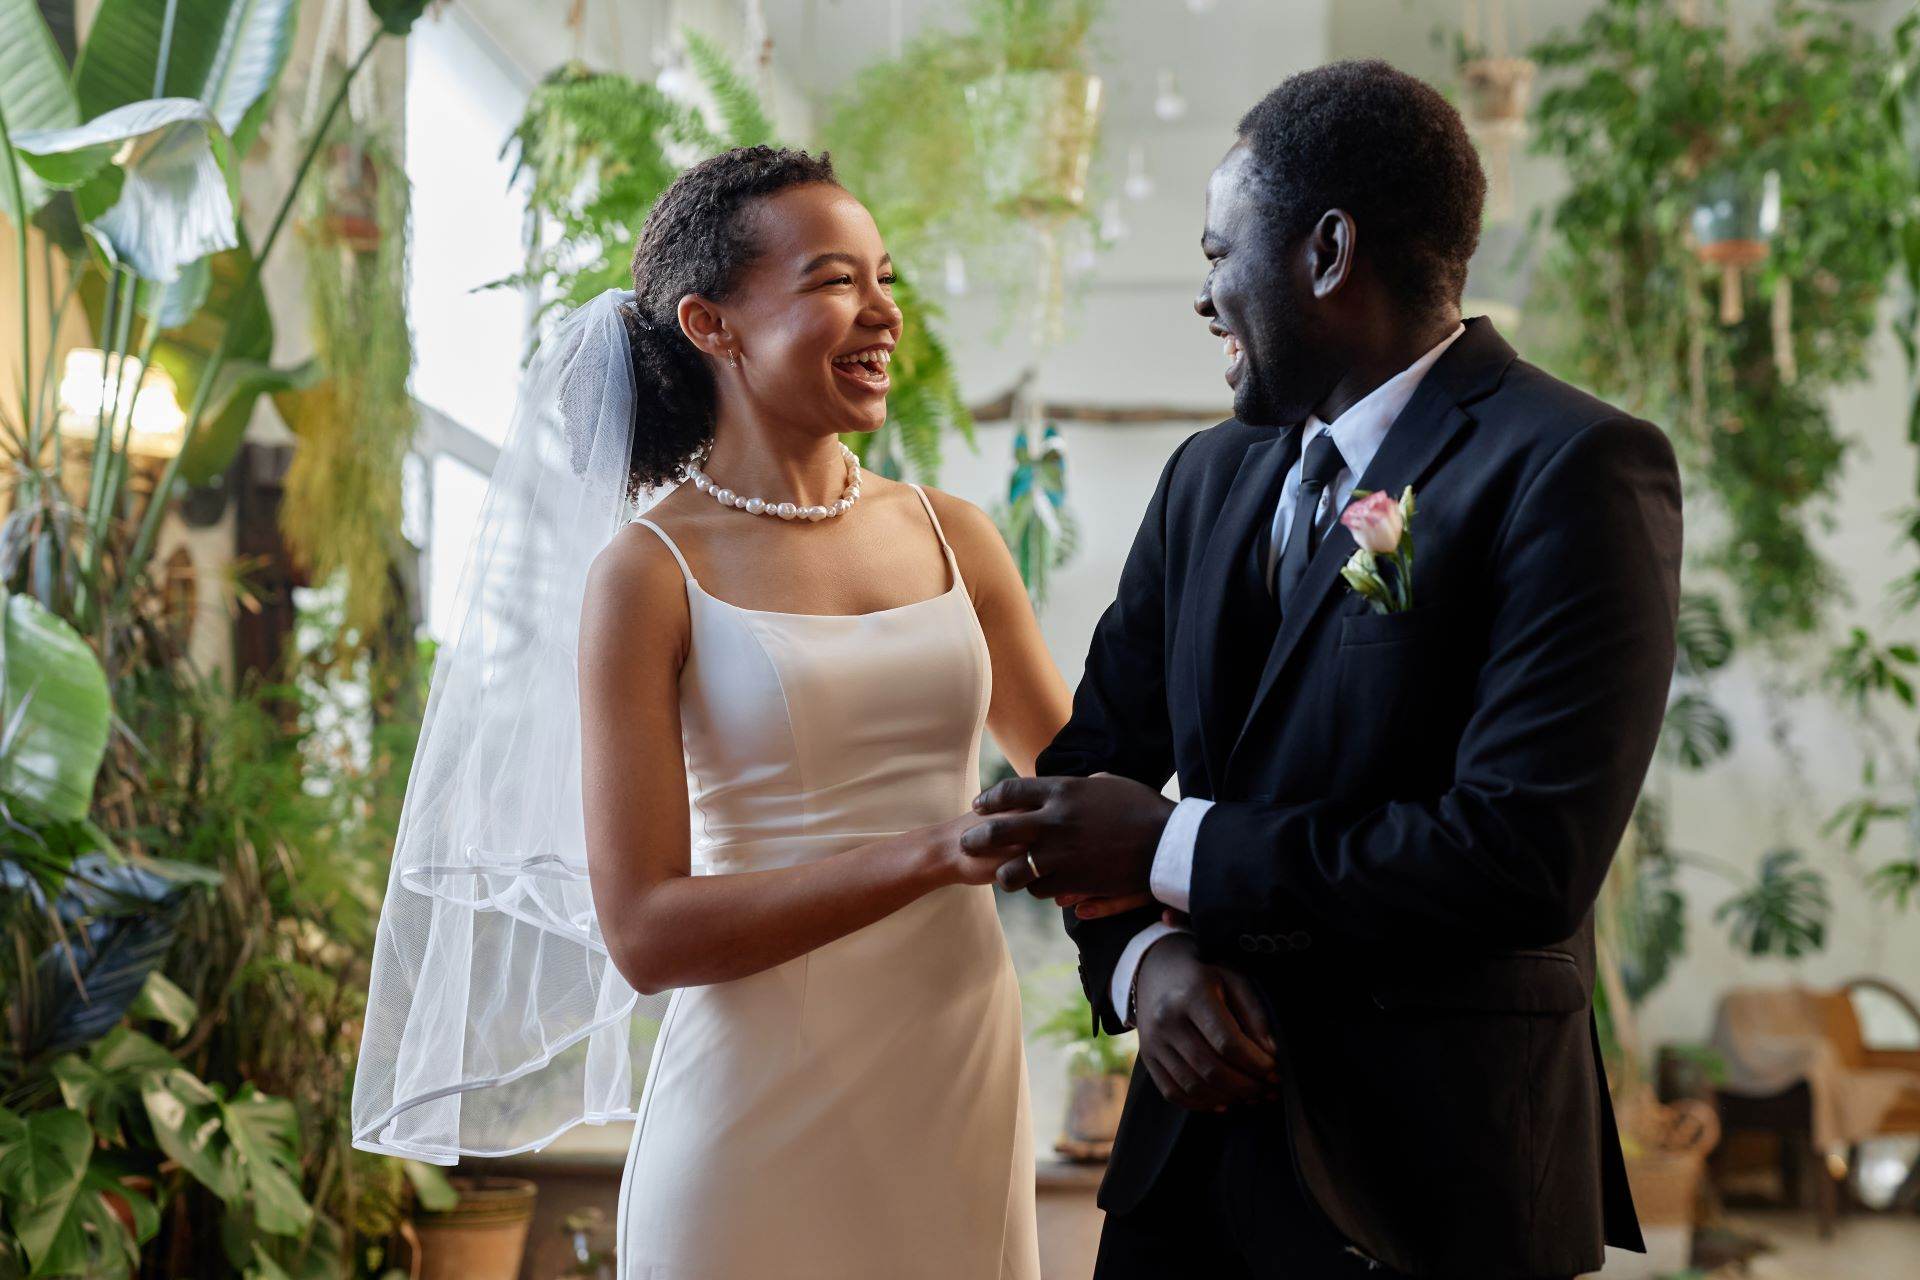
point(1381, 569)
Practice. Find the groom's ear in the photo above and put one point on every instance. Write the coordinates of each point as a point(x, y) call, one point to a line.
point(1329, 250)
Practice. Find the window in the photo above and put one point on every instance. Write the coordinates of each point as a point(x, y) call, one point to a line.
point(463, 99)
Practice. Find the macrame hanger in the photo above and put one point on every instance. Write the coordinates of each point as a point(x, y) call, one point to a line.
point(323, 48)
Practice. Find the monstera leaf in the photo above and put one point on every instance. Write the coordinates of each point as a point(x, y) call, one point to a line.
point(43, 1164)
point(55, 702)
point(1784, 912)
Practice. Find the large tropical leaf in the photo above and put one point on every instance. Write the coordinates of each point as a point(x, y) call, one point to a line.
point(1695, 732)
point(120, 923)
point(177, 183)
point(265, 1132)
point(1705, 639)
point(63, 22)
point(56, 709)
point(186, 1120)
point(34, 94)
point(1784, 912)
point(239, 384)
point(43, 1161)
point(226, 54)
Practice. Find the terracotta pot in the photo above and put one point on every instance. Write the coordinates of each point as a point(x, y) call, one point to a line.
point(118, 1206)
point(1664, 1184)
point(1094, 1106)
point(482, 1237)
point(1667, 1151)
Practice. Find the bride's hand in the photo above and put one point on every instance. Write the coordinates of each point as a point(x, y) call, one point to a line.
point(1086, 907)
point(953, 865)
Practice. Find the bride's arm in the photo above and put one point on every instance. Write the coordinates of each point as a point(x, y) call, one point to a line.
point(665, 927)
point(1031, 701)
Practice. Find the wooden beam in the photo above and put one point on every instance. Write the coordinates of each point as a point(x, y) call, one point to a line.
point(1013, 403)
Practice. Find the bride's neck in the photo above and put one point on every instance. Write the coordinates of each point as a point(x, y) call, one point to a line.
point(780, 466)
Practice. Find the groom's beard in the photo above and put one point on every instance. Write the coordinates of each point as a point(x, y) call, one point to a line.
point(1290, 380)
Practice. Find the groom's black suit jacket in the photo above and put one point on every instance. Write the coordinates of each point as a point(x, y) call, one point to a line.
point(1415, 810)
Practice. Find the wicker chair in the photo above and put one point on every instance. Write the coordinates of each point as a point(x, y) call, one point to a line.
point(1788, 1115)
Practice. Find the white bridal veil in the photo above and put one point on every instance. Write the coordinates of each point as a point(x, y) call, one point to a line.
point(495, 1019)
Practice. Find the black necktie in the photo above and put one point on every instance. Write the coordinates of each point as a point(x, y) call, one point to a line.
point(1323, 463)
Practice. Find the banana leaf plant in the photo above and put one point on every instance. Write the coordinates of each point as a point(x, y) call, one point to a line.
point(124, 152)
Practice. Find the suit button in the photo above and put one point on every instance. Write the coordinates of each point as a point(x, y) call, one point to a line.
point(1268, 945)
point(1249, 943)
point(1300, 940)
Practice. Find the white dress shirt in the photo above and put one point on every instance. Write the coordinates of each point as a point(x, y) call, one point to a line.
point(1357, 433)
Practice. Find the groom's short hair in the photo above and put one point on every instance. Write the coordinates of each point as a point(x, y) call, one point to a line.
point(1367, 138)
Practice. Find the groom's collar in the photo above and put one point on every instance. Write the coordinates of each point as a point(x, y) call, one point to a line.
point(1468, 369)
point(1358, 432)
point(1473, 366)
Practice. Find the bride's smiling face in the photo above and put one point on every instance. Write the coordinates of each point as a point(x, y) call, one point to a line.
point(812, 318)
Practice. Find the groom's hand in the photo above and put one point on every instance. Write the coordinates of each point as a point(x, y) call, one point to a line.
point(1205, 1038)
point(1094, 837)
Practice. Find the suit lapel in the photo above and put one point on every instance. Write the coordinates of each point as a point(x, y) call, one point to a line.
point(1250, 500)
point(1469, 369)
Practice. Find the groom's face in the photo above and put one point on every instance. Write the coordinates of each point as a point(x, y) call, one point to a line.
point(1259, 300)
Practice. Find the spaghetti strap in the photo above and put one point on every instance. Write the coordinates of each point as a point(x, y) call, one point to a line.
point(938, 532)
point(686, 572)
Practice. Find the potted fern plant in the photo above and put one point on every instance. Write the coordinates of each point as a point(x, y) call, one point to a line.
point(1098, 1068)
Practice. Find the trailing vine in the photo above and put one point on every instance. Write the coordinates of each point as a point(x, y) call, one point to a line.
point(1646, 108)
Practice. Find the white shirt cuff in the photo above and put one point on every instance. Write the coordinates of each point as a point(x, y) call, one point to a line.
point(1171, 877)
point(1121, 992)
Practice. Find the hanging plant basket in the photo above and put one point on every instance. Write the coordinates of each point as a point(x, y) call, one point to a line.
point(1732, 228)
point(1035, 132)
point(351, 208)
point(1498, 91)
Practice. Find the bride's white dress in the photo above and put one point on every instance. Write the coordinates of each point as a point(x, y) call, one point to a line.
point(860, 1112)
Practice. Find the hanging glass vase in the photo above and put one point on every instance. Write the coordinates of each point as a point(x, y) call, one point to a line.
point(1734, 220)
point(1035, 131)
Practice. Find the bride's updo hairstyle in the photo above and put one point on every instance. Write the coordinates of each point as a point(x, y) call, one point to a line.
point(698, 239)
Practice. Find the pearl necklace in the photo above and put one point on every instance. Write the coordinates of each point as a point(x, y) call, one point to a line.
point(785, 510)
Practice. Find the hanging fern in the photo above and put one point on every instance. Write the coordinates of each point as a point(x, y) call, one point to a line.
point(1644, 105)
point(597, 149)
point(341, 512)
point(742, 116)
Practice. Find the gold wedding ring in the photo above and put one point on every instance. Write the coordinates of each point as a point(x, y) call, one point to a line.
point(1030, 865)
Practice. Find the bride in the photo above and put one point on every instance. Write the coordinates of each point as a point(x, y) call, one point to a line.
point(809, 652)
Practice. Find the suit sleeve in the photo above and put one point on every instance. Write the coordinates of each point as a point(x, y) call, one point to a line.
point(1120, 725)
point(1561, 731)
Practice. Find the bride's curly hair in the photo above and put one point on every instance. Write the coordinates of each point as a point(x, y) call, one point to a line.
point(698, 239)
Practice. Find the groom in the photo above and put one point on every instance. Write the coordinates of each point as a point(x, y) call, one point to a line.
point(1366, 1035)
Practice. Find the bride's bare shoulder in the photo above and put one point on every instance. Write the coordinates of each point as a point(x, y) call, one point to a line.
point(635, 576)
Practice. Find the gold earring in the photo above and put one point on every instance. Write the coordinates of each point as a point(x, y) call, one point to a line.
point(733, 357)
